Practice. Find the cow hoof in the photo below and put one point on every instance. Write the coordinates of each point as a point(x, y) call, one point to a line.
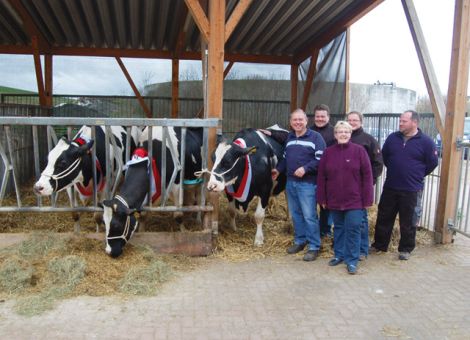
point(259, 243)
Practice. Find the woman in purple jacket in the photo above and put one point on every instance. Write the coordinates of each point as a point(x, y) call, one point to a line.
point(344, 186)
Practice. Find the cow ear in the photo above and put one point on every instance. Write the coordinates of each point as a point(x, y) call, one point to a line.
point(107, 203)
point(86, 148)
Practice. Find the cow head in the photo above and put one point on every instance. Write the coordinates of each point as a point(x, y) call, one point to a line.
point(224, 171)
point(120, 222)
point(64, 166)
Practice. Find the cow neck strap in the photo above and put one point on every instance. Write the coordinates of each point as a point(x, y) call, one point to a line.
point(207, 171)
point(128, 222)
point(67, 171)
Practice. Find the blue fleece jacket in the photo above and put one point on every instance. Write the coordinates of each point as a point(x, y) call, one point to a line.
point(305, 151)
point(408, 162)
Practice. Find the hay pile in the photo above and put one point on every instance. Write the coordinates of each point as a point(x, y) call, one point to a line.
point(48, 266)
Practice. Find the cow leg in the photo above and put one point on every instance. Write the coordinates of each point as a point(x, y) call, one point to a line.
point(259, 218)
point(177, 215)
point(98, 217)
point(75, 215)
point(232, 211)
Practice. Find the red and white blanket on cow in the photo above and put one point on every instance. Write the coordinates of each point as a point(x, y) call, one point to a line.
point(242, 192)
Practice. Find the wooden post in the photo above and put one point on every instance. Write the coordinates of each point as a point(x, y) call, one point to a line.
point(174, 87)
point(215, 77)
point(455, 113)
point(38, 68)
point(48, 79)
point(432, 85)
point(294, 82)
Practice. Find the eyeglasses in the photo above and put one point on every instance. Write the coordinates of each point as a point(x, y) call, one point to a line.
point(354, 120)
point(343, 131)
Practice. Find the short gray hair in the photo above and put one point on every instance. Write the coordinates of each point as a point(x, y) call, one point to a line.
point(343, 124)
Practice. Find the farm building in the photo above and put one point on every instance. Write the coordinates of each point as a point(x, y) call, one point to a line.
point(309, 36)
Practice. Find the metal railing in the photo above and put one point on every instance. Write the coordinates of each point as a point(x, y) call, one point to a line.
point(42, 127)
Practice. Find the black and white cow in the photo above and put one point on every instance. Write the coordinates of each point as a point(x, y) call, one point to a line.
point(119, 212)
point(243, 169)
point(70, 163)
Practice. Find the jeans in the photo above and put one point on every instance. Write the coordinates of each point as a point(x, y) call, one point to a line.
point(347, 235)
point(365, 234)
point(391, 203)
point(302, 206)
point(325, 222)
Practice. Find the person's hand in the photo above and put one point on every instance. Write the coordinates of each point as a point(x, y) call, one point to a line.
point(274, 174)
point(300, 172)
point(266, 132)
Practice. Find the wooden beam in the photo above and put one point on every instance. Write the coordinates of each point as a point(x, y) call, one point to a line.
point(294, 82)
point(38, 69)
point(182, 35)
point(455, 113)
point(174, 87)
point(199, 17)
point(235, 17)
point(30, 27)
point(152, 54)
point(215, 83)
point(308, 82)
point(228, 68)
point(346, 76)
point(336, 28)
point(434, 91)
point(48, 71)
point(144, 106)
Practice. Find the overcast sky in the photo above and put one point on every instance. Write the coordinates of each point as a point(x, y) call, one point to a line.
point(381, 50)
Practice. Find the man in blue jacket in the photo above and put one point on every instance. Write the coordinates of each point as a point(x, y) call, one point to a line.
point(303, 150)
point(409, 156)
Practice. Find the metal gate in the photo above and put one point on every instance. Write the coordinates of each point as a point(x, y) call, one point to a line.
point(42, 133)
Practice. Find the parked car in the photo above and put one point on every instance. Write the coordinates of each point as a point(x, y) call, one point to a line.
point(465, 139)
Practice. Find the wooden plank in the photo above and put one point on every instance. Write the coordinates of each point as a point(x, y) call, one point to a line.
point(194, 243)
point(199, 17)
point(174, 87)
point(336, 28)
point(48, 67)
point(434, 91)
point(38, 69)
point(346, 78)
point(235, 17)
point(144, 106)
point(308, 82)
point(294, 82)
point(455, 113)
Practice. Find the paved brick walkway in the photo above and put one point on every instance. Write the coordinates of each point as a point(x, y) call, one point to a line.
point(427, 297)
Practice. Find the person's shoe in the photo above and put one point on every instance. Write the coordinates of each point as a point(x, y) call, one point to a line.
point(373, 250)
point(404, 256)
point(311, 255)
point(294, 249)
point(335, 261)
point(362, 257)
point(352, 269)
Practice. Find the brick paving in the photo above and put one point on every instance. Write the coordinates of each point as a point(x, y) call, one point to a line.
point(427, 297)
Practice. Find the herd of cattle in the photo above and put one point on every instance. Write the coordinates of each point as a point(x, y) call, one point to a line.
point(242, 168)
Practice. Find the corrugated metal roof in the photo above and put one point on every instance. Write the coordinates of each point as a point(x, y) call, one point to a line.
point(269, 30)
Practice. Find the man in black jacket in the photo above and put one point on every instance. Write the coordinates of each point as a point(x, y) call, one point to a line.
point(372, 147)
point(321, 124)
